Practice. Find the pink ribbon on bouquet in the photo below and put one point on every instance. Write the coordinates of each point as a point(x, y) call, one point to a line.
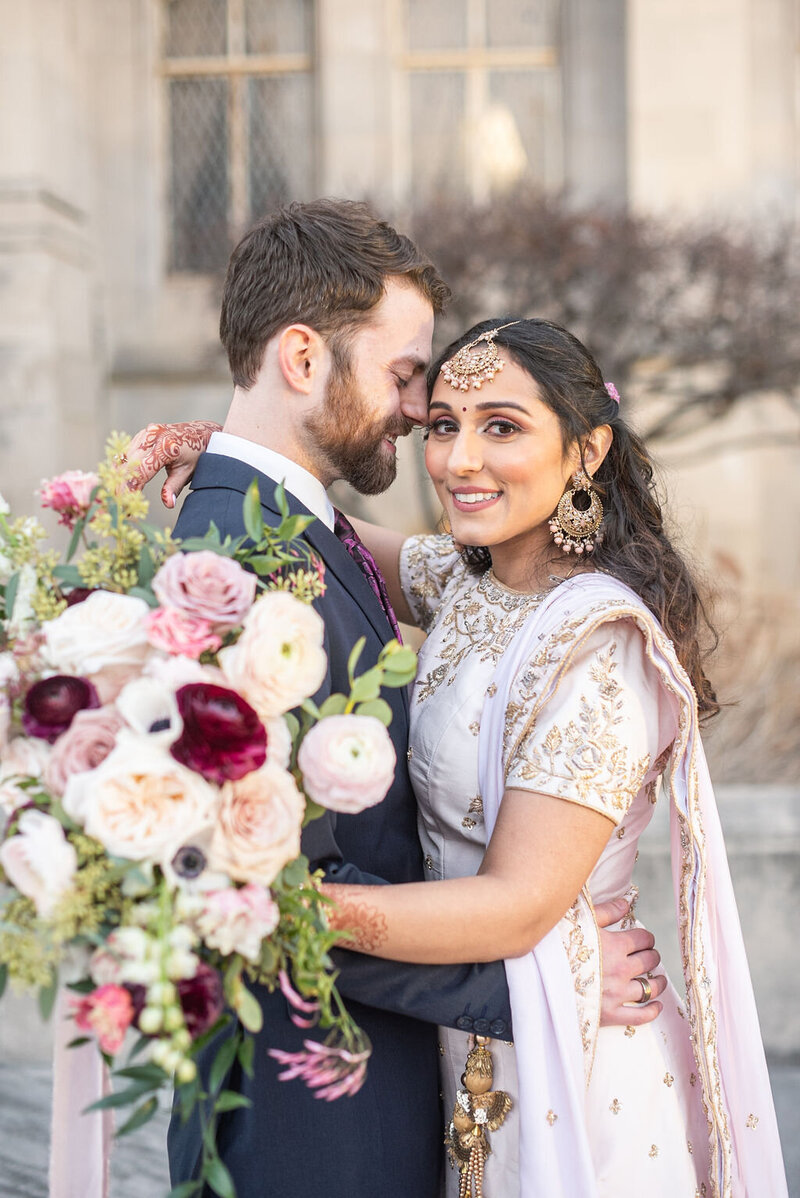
point(80, 1144)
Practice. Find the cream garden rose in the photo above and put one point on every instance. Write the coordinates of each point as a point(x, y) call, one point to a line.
point(140, 801)
point(347, 762)
point(278, 660)
point(103, 639)
point(258, 827)
point(39, 861)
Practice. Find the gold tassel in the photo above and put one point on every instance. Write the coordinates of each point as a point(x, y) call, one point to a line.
point(478, 1110)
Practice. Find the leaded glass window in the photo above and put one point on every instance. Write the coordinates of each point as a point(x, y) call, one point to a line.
point(482, 96)
point(240, 98)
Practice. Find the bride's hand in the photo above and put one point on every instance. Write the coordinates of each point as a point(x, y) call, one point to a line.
point(628, 954)
point(171, 447)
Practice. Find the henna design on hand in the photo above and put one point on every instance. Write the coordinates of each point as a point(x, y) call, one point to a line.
point(171, 447)
point(354, 914)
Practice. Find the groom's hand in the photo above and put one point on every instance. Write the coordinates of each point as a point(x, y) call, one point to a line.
point(628, 954)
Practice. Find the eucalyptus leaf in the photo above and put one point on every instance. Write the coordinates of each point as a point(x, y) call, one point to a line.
point(226, 1055)
point(140, 1116)
point(264, 563)
point(333, 705)
point(378, 708)
point(144, 593)
point(249, 1010)
point(121, 1097)
point(355, 654)
point(70, 576)
point(246, 1052)
point(3, 978)
point(251, 513)
point(12, 586)
point(186, 1189)
point(143, 1073)
point(292, 526)
point(313, 811)
point(367, 686)
point(75, 538)
point(47, 996)
point(281, 502)
point(229, 1100)
point(218, 1178)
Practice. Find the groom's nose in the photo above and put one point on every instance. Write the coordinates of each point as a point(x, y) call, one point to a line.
point(414, 400)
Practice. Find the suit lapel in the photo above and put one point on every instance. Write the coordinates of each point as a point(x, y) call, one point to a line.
point(215, 470)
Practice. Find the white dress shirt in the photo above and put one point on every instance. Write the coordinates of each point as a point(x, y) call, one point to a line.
point(297, 481)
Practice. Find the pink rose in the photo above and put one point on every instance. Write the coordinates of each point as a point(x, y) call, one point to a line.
point(106, 1013)
point(179, 634)
point(258, 827)
point(347, 762)
point(87, 742)
point(206, 586)
point(68, 494)
point(237, 920)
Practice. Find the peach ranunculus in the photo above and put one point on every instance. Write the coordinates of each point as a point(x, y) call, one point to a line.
point(140, 801)
point(39, 860)
point(177, 633)
point(206, 586)
point(278, 660)
point(23, 757)
point(258, 827)
point(103, 639)
point(236, 920)
point(347, 762)
point(90, 738)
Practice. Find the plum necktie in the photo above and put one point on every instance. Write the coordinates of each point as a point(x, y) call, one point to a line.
point(367, 565)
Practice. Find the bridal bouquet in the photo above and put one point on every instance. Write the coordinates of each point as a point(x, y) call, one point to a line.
point(159, 756)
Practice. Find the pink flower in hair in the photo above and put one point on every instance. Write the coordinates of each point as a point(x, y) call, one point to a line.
point(613, 392)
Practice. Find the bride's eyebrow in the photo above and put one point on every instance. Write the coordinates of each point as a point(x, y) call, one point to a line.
point(483, 407)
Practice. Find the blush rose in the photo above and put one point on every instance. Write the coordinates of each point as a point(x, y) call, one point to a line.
point(258, 827)
point(87, 742)
point(206, 586)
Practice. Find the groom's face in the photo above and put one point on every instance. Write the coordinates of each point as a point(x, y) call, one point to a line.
point(376, 390)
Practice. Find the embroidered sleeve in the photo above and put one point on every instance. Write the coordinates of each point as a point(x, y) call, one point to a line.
point(593, 742)
point(427, 565)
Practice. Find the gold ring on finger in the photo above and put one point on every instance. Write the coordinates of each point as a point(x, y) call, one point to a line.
point(647, 990)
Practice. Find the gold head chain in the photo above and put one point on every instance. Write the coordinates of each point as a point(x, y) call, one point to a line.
point(467, 369)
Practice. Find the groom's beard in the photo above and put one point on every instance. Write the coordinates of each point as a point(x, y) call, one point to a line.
point(352, 442)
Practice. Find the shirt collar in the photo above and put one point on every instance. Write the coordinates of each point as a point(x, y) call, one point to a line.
point(298, 481)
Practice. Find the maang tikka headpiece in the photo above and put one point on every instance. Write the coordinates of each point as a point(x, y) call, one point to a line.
point(467, 369)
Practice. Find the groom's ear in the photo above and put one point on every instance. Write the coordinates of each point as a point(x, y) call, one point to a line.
point(302, 357)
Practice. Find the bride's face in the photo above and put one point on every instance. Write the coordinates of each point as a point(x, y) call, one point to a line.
point(497, 460)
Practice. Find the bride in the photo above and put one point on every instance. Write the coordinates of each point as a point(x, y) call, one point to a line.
point(560, 685)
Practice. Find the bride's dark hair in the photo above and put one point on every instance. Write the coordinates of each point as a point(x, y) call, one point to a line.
point(635, 547)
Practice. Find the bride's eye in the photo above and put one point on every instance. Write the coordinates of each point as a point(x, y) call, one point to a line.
point(442, 427)
point(502, 427)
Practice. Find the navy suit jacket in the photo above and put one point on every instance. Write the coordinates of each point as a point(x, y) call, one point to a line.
point(387, 1139)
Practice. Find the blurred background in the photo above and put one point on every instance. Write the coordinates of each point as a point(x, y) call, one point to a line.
point(630, 168)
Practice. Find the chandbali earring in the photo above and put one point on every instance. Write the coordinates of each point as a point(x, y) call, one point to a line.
point(576, 523)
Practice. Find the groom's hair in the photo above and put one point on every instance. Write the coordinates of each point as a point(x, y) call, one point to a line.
point(324, 264)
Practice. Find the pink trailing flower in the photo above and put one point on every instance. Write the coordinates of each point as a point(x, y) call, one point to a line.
point(331, 1070)
point(106, 1013)
point(309, 1007)
point(69, 494)
point(223, 739)
point(179, 634)
point(51, 704)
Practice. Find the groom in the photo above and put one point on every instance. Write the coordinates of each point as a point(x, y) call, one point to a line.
point(327, 318)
